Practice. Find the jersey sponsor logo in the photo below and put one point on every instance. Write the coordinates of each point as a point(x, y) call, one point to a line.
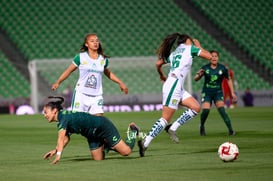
point(84, 62)
point(115, 138)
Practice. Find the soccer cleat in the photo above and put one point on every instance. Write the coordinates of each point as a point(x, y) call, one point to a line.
point(231, 133)
point(173, 136)
point(167, 128)
point(132, 131)
point(141, 147)
point(202, 131)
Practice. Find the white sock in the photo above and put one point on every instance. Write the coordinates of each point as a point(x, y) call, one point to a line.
point(185, 117)
point(158, 126)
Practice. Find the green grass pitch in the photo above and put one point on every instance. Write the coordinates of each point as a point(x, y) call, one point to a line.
point(24, 140)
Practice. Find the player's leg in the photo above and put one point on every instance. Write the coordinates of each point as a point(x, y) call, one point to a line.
point(122, 148)
point(97, 153)
point(157, 128)
point(221, 109)
point(159, 125)
point(193, 109)
point(207, 98)
point(203, 117)
point(171, 98)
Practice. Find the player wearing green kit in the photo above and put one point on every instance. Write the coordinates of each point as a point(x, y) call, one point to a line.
point(98, 130)
point(213, 74)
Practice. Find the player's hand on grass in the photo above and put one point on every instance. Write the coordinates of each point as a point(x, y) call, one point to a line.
point(55, 161)
point(49, 154)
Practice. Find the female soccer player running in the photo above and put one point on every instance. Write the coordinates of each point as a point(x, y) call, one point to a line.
point(173, 89)
point(214, 73)
point(92, 63)
point(98, 131)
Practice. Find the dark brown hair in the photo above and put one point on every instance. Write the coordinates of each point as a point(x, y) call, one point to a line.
point(85, 48)
point(57, 103)
point(166, 46)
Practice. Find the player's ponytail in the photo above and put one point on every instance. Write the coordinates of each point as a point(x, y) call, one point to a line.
point(57, 103)
point(167, 44)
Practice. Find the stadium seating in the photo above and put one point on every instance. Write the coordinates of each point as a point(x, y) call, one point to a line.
point(13, 84)
point(56, 29)
point(248, 23)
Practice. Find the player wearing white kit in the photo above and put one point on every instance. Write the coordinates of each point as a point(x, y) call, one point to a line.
point(92, 63)
point(173, 90)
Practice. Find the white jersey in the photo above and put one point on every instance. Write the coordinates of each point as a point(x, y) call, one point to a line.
point(90, 70)
point(180, 64)
point(181, 60)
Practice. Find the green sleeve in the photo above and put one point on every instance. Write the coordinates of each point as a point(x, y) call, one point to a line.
point(106, 63)
point(76, 60)
point(195, 51)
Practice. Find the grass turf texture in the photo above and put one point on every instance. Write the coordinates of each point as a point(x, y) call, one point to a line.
point(24, 140)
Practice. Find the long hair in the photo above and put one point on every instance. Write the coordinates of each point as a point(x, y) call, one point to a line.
point(168, 42)
point(56, 103)
point(85, 48)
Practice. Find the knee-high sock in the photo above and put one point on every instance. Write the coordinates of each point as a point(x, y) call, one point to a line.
point(225, 117)
point(158, 126)
point(185, 117)
point(203, 117)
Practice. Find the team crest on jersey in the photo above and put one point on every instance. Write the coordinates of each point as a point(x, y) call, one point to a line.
point(220, 72)
point(77, 105)
point(102, 62)
point(174, 102)
point(91, 82)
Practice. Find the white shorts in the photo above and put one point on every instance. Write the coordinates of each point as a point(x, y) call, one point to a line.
point(173, 93)
point(86, 103)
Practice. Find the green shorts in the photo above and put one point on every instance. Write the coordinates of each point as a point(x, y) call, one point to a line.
point(215, 96)
point(107, 134)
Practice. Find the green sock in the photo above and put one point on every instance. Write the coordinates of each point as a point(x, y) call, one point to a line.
point(131, 139)
point(225, 117)
point(203, 117)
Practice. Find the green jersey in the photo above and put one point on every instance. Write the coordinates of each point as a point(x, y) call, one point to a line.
point(97, 129)
point(78, 122)
point(214, 77)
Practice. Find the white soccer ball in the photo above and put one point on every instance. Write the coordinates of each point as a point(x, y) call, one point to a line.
point(228, 152)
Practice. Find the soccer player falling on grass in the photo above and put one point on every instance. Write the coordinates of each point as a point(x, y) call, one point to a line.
point(98, 130)
point(214, 73)
point(174, 93)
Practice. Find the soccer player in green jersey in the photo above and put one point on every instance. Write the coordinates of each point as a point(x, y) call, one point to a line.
point(214, 73)
point(98, 130)
point(178, 50)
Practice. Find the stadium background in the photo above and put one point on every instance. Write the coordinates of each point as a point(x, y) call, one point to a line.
point(37, 30)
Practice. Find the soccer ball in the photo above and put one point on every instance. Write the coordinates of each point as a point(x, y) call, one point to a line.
point(228, 152)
